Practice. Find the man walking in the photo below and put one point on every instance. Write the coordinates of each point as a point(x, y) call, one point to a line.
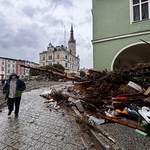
point(12, 92)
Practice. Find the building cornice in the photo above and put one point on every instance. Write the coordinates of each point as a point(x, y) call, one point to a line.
point(120, 36)
point(58, 51)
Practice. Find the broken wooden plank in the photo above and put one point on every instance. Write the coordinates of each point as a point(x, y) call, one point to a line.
point(126, 123)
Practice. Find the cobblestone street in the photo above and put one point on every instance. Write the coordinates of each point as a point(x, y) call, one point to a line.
point(37, 127)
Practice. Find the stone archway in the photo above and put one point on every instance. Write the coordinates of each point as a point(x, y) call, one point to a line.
point(130, 56)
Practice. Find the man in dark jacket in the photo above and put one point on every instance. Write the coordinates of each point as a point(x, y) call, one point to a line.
point(12, 91)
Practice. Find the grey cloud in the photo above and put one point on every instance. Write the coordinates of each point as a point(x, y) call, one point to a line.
point(6, 34)
point(6, 41)
point(6, 3)
point(88, 17)
point(63, 2)
point(55, 39)
point(66, 3)
point(86, 62)
point(85, 42)
point(26, 43)
point(50, 20)
point(29, 11)
point(29, 35)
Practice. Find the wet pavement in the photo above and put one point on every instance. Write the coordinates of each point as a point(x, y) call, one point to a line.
point(38, 128)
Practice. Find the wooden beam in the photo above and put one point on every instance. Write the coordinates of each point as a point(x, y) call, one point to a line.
point(126, 123)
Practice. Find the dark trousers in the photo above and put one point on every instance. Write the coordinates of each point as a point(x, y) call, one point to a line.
point(10, 103)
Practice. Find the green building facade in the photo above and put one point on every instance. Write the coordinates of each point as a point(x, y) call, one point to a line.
point(121, 33)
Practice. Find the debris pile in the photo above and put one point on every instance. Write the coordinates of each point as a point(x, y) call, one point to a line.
point(119, 96)
point(101, 86)
point(111, 96)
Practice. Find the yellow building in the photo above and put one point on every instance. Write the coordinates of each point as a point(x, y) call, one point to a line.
point(66, 56)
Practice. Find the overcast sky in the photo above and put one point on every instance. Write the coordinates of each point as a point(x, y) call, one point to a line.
point(28, 26)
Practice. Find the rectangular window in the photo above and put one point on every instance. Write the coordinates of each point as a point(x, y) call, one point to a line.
point(66, 57)
point(141, 9)
point(8, 65)
point(50, 57)
point(43, 58)
point(135, 1)
point(145, 11)
point(57, 56)
point(66, 65)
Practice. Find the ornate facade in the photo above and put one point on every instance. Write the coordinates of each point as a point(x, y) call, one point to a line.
point(66, 56)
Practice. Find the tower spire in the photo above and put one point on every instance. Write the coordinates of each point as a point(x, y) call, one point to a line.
point(72, 42)
point(71, 35)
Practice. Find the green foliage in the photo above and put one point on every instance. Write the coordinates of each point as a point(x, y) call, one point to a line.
point(55, 67)
point(58, 66)
point(82, 74)
point(34, 72)
point(47, 67)
point(25, 79)
point(39, 78)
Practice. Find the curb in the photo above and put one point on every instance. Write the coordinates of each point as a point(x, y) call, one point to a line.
point(102, 142)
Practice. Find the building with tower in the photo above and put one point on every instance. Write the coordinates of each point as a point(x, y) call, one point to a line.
point(64, 55)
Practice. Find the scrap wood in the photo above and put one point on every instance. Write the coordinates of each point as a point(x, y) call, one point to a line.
point(99, 112)
point(93, 74)
point(103, 132)
point(76, 112)
point(84, 121)
point(48, 96)
point(106, 134)
point(60, 96)
point(92, 101)
point(126, 123)
point(135, 94)
point(129, 116)
point(110, 84)
point(147, 92)
point(128, 99)
point(147, 100)
point(96, 128)
point(65, 75)
point(56, 95)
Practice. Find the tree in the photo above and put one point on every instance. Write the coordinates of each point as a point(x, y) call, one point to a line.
point(82, 74)
point(59, 67)
point(55, 67)
point(34, 72)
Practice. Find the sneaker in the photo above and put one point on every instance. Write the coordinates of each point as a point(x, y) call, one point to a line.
point(9, 113)
point(16, 116)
